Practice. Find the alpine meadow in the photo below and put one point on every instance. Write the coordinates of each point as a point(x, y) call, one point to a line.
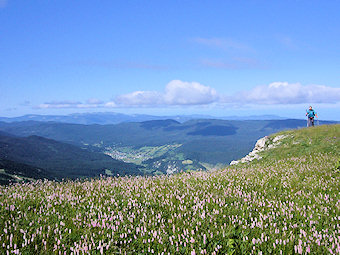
point(284, 203)
point(169, 127)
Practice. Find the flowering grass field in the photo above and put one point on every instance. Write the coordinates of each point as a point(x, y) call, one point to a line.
point(288, 202)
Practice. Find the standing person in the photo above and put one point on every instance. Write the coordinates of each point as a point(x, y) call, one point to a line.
point(310, 116)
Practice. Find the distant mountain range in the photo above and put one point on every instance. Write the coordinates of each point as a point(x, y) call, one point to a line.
point(104, 118)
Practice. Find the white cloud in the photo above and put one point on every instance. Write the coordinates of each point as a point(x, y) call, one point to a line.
point(189, 93)
point(140, 98)
point(110, 104)
point(176, 93)
point(288, 93)
point(59, 104)
point(90, 103)
point(94, 101)
point(180, 93)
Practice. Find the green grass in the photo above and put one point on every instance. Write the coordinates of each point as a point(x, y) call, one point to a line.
point(287, 202)
point(307, 141)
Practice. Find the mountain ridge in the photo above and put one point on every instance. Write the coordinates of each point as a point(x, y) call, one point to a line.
point(115, 118)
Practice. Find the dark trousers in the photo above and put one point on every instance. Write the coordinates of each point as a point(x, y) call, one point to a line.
point(310, 122)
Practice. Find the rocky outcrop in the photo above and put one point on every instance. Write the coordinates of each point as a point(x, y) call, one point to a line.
point(262, 144)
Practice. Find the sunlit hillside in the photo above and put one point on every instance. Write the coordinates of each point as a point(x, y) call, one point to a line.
point(287, 202)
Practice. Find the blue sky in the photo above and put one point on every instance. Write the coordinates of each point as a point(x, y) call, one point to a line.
point(170, 57)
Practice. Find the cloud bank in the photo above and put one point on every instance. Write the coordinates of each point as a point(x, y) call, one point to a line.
point(181, 93)
point(90, 103)
point(288, 93)
point(176, 93)
point(60, 104)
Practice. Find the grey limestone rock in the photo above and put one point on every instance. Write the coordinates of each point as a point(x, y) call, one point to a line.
point(264, 143)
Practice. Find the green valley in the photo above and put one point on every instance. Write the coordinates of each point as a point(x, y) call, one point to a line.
point(148, 148)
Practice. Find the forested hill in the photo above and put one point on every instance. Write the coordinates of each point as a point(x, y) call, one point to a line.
point(39, 157)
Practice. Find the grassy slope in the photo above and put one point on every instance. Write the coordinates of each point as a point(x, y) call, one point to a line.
point(302, 176)
point(307, 141)
point(287, 202)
